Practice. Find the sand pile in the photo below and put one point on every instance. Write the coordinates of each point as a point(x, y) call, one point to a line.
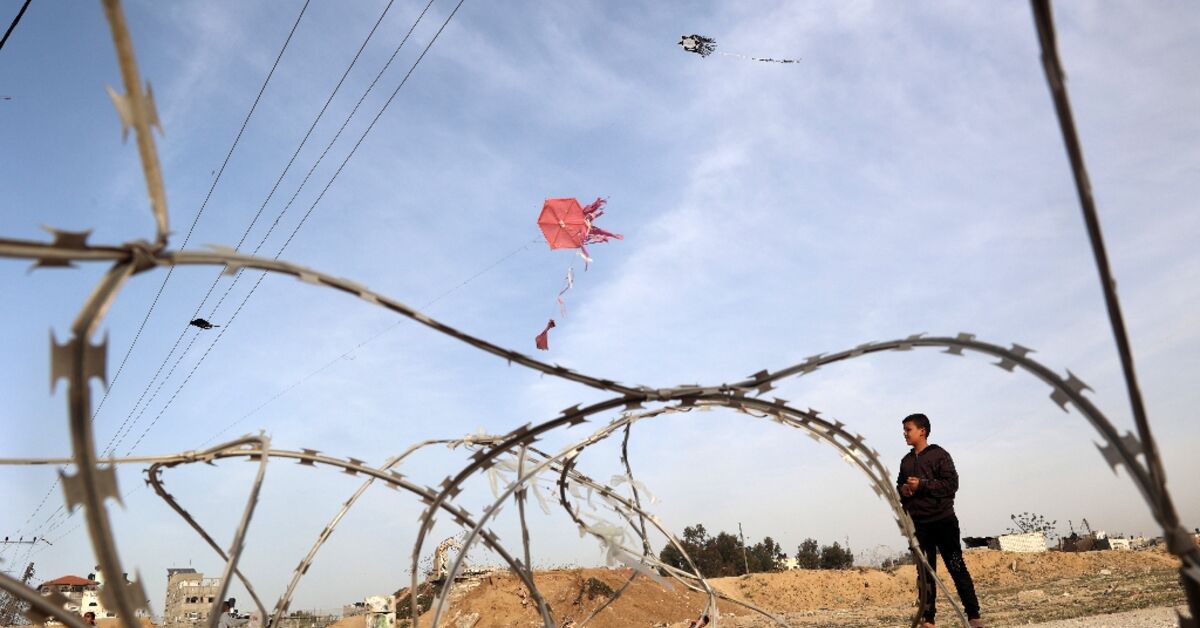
point(500, 600)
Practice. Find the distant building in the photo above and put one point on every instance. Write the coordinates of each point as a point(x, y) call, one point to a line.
point(788, 564)
point(74, 589)
point(190, 596)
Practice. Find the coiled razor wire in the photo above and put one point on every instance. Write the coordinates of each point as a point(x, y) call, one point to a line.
point(78, 360)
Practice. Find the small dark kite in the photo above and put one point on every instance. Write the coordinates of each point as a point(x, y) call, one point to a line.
point(202, 324)
point(698, 44)
point(704, 46)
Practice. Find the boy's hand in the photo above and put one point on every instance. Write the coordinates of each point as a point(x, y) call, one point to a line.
point(912, 484)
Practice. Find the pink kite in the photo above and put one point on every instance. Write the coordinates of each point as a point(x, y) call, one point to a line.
point(567, 225)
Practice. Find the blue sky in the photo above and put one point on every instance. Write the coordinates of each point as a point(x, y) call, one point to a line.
point(907, 176)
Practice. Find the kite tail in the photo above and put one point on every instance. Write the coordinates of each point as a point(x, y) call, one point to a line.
point(596, 234)
point(764, 59)
point(543, 339)
point(595, 210)
point(562, 304)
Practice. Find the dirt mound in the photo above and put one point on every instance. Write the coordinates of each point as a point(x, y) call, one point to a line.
point(1008, 568)
point(802, 590)
point(500, 600)
point(812, 590)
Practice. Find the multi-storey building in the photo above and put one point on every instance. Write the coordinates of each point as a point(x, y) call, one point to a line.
point(74, 589)
point(190, 596)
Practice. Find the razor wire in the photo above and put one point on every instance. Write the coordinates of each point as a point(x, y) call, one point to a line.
point(94, 481)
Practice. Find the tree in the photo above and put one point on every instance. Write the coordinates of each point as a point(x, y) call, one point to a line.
point(1033, 522)
point(722, 555)
point(808, 556)
point(836, 557)
point(904, 558)
point(670, 555)
point(765, 555)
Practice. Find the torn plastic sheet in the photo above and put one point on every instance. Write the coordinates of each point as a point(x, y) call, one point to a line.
point(618, 480)
point(541, 499)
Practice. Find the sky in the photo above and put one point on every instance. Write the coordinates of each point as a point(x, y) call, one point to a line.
point(908, 175)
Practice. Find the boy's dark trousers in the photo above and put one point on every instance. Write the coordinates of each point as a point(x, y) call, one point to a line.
point(941, 537)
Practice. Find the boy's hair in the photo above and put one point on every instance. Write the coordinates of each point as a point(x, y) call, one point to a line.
point(920, 420)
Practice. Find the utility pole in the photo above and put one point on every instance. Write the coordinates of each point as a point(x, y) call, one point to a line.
point(745, 560)
point(12, 608)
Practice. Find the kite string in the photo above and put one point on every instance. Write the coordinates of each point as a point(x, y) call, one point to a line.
point(764, 59)
point(346, 354)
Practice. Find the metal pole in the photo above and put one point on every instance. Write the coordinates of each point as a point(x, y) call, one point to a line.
point(745, 560)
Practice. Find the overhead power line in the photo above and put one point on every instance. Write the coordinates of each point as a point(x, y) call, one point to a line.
point(312, 207)
point(138, 334)
point(16, 20)
point(119, 438)
point(314, 204)
point(120, 434)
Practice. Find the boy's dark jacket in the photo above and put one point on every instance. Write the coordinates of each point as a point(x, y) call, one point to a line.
point(934, 500)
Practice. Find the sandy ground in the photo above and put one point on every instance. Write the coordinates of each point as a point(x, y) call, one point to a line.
point(1145, 618)
point(1015, 589)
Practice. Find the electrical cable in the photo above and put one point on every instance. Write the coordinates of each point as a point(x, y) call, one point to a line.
point(16, 20)
point(312, 207)
point(187, 236)
point(117, 437)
